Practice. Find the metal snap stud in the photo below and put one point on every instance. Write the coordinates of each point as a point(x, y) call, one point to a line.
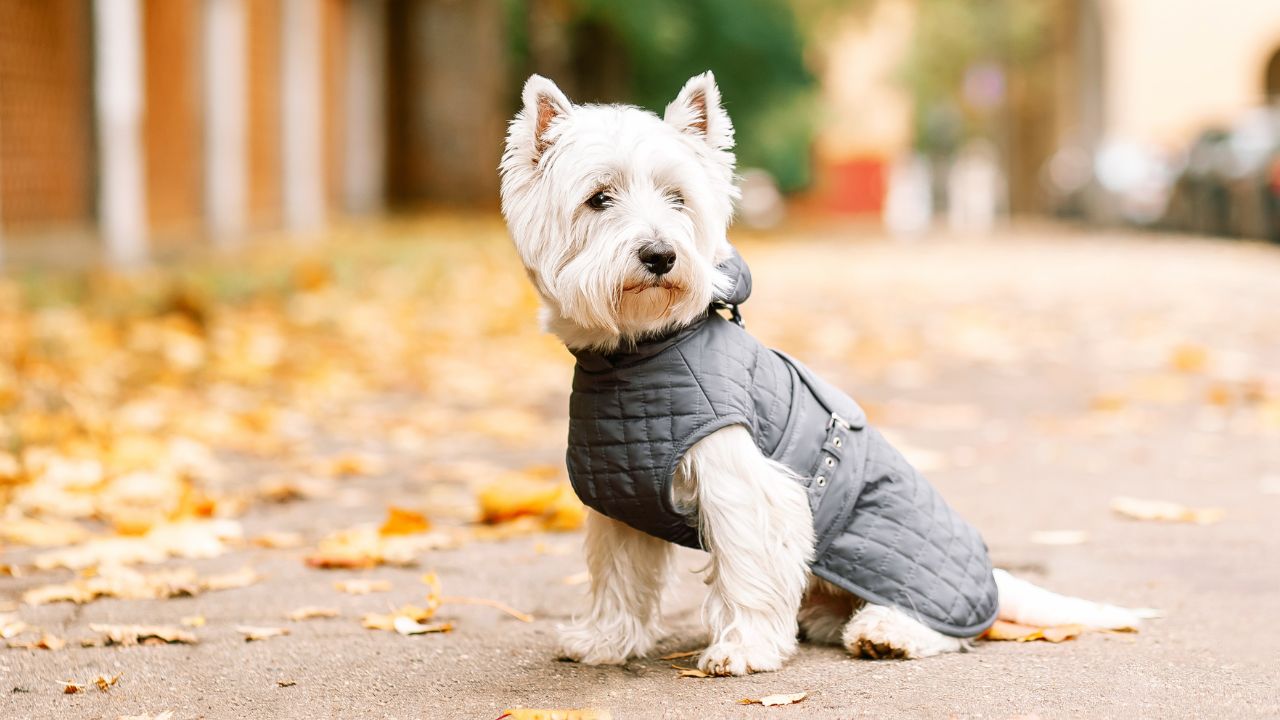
point(822, 481)
point(831, 462)
point(838, 442)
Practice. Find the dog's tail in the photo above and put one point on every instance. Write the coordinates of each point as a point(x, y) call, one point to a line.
point(1027, 604)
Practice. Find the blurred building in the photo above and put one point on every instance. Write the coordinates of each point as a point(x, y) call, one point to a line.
point(1152, 73)
point(146, 120)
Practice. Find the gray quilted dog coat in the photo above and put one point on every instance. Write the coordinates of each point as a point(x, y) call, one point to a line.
point(883, 532)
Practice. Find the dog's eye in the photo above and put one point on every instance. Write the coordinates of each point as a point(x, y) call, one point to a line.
point(599, 201)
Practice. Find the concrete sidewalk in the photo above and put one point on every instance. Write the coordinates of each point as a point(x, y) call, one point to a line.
point(1032, 378)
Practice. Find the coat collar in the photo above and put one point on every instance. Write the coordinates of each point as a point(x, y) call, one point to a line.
point(737, 291)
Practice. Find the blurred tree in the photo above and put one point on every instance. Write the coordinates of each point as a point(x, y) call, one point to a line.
point(960, 59)
point(642, 52)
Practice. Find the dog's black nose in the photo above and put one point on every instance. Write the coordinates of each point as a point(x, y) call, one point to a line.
point(658, 257)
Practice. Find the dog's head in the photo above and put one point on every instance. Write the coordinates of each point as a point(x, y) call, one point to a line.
point(618, 215)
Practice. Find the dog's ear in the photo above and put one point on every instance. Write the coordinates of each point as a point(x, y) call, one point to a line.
point(543, 105)
point(697, 111)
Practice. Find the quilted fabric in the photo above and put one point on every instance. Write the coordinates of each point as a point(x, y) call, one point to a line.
point(883, 532)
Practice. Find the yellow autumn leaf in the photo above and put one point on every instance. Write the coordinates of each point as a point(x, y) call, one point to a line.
point(403, 522)
point(1004, 630)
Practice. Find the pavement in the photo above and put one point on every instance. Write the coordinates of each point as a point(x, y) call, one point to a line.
point(1034, 377)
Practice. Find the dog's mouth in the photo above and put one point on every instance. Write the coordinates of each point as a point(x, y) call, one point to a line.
point(639, 287)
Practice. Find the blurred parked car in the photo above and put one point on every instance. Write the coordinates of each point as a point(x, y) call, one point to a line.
point(1230, 181)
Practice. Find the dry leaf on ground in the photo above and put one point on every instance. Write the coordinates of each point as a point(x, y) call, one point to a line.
point(286, 683)
point(135, 634)
point(689, 672)
point(781, 699)
point(104, 683)
point(678, 655)
point(1003, 630)
point(362, 586)
point(530, 494)
point(42, 532)
point(403, 522)
point(11, 626)
point(129, 584)
point(541, 714)
point(409, 617)
point(46, 642)
point(408, 626)
point(252, 632)
point(1142, 509)
point(188, 539)
point(364, 547)
point(311, 612)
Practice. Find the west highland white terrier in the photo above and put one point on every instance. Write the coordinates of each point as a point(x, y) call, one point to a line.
point(686, 430)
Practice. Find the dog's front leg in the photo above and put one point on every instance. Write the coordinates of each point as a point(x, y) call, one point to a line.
point(628, 571)
point(757, 526)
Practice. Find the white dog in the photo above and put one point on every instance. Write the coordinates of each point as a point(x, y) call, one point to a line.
point(620, 218)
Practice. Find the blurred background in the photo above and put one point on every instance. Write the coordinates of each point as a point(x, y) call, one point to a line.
point(142, 125)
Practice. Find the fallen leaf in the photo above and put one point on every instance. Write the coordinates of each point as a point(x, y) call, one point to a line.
point(413, 613)
point(1140, 509)
point(769, 700)
point(364, 547)
point(1060, 537)
point(104, 683)
point(42, 533)
point(403, 522)
point(516, 494)
point(286, 683)
point(310, 612)
point(11, 626)
point(252, 633)
point(129, 584)
point(71, 688)
point(195, 539)
point(135, 634)
point(690, 672)
point(362, 586)
point(1003, 630)
point(46, 642)
point(409, 626)
point(678, 655)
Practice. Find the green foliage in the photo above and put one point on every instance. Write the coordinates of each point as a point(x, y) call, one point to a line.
point(754, 47)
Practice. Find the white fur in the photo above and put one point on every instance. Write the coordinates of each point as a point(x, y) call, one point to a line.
point(671, 180)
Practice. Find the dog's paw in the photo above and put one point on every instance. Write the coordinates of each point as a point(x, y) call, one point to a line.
point(877, 632)
point(726, 658)
point(590, 646)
